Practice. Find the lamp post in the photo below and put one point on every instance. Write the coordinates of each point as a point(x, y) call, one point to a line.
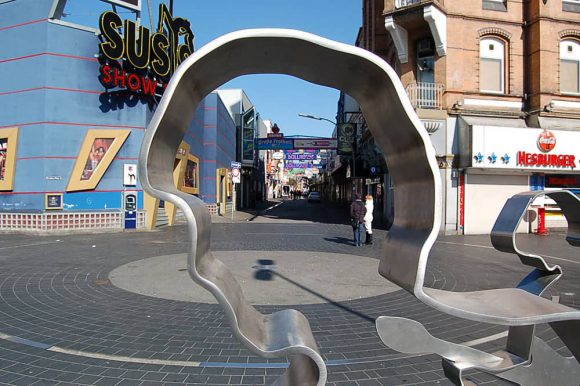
point(315, 117)
point(353, 148)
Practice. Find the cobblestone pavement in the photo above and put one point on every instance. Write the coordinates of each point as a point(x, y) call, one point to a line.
point(63, 322)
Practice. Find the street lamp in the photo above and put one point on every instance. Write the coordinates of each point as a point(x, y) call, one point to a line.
point(315, 117)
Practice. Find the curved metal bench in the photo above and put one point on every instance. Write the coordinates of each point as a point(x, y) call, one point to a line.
point(520, 308)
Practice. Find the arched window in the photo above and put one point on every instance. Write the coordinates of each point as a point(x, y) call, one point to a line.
point(492, 65)
point(570, 66)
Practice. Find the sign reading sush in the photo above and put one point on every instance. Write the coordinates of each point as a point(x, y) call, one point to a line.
point(134, 59)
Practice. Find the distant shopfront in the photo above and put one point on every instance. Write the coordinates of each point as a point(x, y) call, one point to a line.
point(502, 161)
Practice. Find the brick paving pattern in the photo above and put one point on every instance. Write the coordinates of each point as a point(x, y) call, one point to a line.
point(55, 294)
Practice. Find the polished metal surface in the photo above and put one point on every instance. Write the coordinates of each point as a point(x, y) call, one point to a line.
point(526, 360)
point(417, 196)
point(383, 100)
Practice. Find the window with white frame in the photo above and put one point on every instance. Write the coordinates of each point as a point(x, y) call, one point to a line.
point(570, 66)
point(571, 5)
point(495, 5)
point(492, 65)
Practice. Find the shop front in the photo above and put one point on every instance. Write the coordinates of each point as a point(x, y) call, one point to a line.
point(499, 162)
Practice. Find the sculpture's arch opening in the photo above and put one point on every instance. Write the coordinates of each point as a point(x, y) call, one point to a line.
point(393, 123)
point(360, 74)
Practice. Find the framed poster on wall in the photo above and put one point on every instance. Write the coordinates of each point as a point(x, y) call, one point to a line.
point(53, 201)
point(8, 150)
point(96, 155)
point(191, 177)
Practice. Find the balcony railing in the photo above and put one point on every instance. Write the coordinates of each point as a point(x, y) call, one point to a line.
point(426, 95)
point(407, 3)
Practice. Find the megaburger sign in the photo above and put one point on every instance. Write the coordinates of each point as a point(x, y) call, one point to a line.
point(138, 61)
point(554, 160)
point(546, 143)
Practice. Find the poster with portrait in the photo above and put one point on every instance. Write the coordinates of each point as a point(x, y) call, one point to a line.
point(3, 156)
point(191, 175)
point(8, 149)
point(98, 150)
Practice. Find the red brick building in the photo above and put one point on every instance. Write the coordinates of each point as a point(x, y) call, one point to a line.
point(488, 78)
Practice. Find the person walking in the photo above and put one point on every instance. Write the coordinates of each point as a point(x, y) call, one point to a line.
point(357, 218)
point(369, 205)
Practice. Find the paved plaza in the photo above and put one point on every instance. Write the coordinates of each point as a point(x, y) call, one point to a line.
point(119, 308)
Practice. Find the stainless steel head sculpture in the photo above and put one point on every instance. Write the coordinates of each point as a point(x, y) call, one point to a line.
point(391, 118)
point(411, 159)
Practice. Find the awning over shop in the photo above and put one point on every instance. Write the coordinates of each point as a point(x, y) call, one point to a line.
point(551, 123)
point(493, 121)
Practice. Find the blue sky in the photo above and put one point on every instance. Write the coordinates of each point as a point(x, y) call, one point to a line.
point(277, 97)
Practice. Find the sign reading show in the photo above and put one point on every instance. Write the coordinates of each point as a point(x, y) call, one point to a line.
point(136, 60)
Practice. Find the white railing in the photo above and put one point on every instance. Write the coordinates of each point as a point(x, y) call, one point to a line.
point(426, 95)
point(65, 221)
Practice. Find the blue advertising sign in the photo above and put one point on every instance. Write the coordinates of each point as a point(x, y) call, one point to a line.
point(274, 144)
point(299, 156)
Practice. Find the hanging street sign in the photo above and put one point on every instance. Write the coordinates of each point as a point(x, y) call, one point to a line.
point(274, 143)
point(316, 143)
point(346, 137)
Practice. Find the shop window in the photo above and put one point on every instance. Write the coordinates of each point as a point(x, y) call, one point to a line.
point(191, 176)
point(570, 66)
point(495, 5)
point(571, 6)
point(96, 155)
point(492, 65)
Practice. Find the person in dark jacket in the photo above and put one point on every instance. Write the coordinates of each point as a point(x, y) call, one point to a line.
point(357, 218)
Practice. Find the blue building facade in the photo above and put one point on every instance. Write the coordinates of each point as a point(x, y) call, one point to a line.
point(211, 138)
point(51, 94)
